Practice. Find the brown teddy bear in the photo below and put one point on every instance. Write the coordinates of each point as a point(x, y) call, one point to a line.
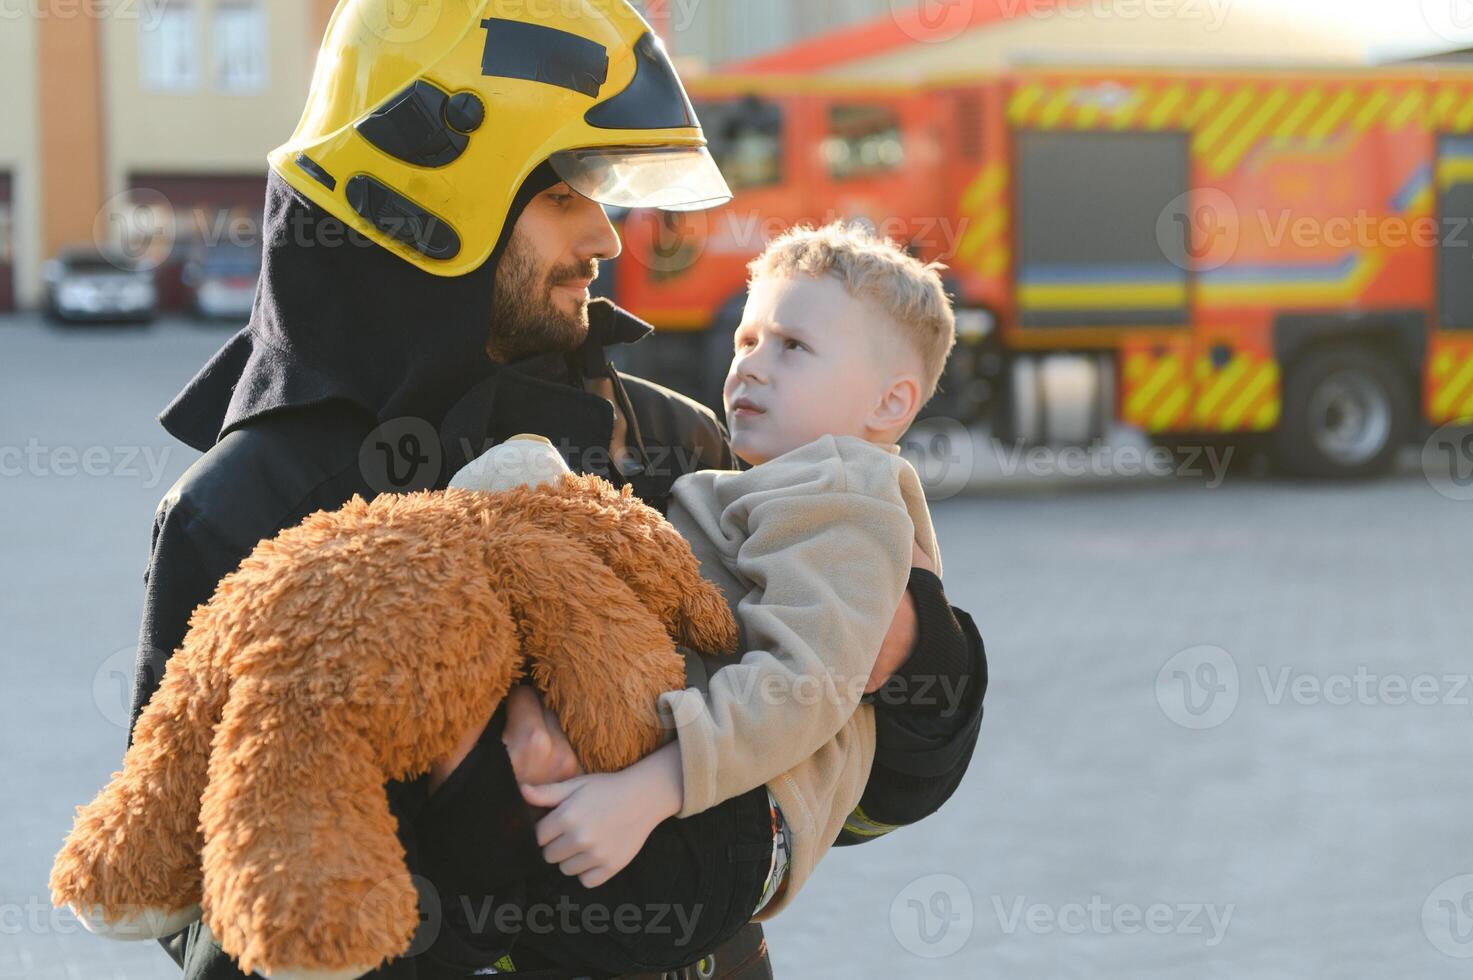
point(357, 648)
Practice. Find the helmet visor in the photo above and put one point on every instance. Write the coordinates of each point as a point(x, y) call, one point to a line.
point(683, 178)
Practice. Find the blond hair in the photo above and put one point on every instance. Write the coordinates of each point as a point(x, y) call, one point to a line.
point(875, 270)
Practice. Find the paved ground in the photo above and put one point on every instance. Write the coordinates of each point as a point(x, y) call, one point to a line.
point(1227, 734)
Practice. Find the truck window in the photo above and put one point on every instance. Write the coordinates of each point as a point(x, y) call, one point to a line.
point(746, 138)
point(1090, 247)
point(864, 140)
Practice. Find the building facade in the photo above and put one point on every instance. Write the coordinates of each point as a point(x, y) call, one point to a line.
point(119, 101)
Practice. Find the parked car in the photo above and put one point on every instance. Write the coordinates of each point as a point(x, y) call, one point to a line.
point(84, 283)
point(221, 280)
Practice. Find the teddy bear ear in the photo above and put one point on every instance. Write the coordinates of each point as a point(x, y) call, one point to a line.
point(706, 623)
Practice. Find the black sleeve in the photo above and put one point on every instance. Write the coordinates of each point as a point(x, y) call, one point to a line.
point(188, 559)
point(186, 562)
point(927, 716)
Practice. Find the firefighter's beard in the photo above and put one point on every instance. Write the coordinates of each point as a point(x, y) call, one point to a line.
point(525, 319)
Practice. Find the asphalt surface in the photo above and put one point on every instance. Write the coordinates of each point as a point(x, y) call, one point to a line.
point(1227, 734)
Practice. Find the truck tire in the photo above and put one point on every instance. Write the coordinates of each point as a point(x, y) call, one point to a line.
point(1347, 412)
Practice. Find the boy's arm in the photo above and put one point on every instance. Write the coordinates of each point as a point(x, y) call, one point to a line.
point(927, 716)
point(828, 569)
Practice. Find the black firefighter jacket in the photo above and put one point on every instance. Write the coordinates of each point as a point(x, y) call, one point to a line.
point(271, 472)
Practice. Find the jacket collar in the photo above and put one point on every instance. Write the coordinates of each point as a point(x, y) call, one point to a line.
point(608, 325)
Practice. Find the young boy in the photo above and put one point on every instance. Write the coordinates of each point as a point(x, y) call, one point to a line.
point(843, 340)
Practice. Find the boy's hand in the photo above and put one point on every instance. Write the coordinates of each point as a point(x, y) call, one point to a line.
point(901, 638)
point(602, 820)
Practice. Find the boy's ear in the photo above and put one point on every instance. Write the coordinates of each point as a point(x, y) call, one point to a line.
point(897, 406)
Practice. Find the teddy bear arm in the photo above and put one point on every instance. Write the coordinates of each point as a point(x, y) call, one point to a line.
point(303, 868)
point(130, 868)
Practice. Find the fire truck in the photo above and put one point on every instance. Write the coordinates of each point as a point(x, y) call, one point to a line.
point(1278, 256)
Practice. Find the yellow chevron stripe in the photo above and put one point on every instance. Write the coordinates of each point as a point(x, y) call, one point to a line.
point(1465, 116)
point(1166, 371)
point(1404, 111)
point(1367, 116)
point(1205, 101)
point(1024, 101)
point(1442, 365)
point(1207, 136)
point(1226, 381)
point(1170, 409)
point(1332, 115)
point(981, 232)
point(1268, 416)
point(1160, 115)
point(1244, 138)
point(1442, 107)
point(987, 185)
point(1266, 375)
point(1453, 390)
point(995, 262)
point(1055, 109)
point(1290, 126)
point(1125, 114)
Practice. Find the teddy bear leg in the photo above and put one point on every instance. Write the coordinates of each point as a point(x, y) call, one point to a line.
point(600, 658)
point(304, 874)
point(130, 868)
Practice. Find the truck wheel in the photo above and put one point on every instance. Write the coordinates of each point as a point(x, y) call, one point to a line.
point(1347, 411)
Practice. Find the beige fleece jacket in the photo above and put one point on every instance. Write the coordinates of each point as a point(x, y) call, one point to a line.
point(813, 552)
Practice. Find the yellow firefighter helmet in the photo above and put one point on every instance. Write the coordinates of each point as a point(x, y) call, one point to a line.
point(425, 117)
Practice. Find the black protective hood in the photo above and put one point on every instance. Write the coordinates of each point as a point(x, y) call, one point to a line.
point(338, 317)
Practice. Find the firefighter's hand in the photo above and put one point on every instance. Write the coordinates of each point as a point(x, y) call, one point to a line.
point(901, 638)
point(534, 739)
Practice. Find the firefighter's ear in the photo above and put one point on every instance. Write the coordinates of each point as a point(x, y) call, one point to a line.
point(897, 405)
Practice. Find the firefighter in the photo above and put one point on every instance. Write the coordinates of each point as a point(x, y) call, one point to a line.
point(430, 232)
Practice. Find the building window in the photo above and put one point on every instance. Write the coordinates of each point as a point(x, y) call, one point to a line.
point(167, 49)
point(239, 28)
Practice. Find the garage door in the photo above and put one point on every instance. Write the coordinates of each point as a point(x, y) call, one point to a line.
point(208, 209)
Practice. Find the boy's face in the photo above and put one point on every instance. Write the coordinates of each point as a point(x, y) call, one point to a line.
point(806, 364)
